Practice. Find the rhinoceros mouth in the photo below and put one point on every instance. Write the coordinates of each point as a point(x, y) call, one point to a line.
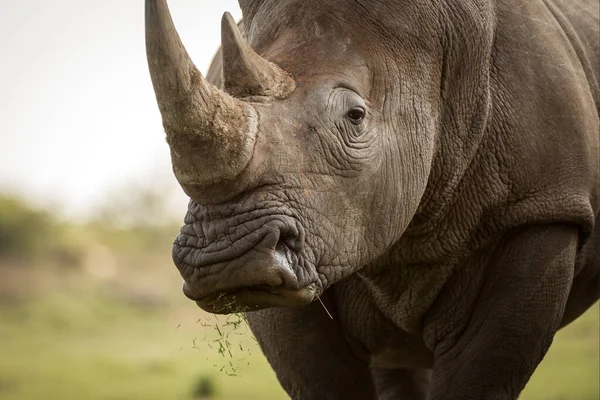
point(254, 281)
point(254, 298)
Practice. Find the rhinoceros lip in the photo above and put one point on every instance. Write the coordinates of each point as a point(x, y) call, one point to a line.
point(253, 298)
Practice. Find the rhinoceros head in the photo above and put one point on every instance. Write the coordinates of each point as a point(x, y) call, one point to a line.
point(308, 162)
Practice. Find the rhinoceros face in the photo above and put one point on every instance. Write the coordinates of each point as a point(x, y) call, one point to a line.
point(295, 183)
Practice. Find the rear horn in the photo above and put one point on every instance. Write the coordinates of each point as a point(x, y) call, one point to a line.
point(245, 73)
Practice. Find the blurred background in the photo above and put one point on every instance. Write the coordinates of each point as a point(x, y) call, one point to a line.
point(90, 303)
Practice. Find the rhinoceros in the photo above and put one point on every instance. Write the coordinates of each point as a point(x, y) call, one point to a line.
point(426, 170)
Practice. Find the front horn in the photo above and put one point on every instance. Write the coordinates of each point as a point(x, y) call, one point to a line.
point(211, 134)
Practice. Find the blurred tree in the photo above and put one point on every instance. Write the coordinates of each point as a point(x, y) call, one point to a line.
point(24, 231)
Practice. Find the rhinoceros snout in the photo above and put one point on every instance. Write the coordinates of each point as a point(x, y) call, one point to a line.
point(260, 278)
point(250, 259)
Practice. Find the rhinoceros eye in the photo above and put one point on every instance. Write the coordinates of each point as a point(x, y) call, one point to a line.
point(356, 115)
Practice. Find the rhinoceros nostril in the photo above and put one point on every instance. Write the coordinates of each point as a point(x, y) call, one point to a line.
point(288, 240)
point(292, 237)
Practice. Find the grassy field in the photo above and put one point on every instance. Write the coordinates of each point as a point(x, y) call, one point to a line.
point(97, 313)
point(94, 345)
point(97, 346)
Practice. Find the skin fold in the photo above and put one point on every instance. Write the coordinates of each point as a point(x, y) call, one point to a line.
point(433, 178)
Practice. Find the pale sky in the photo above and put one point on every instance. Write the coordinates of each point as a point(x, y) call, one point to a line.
point(77, 112)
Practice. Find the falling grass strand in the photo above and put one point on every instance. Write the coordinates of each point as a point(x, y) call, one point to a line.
point(325, 308)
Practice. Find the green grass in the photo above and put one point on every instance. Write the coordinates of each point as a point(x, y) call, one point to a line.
point(93, 347)
point(70, 332)
point(64, 348)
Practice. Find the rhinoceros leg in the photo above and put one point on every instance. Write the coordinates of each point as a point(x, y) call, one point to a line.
point(311, 357)
point(514, 320)
point(401, 384)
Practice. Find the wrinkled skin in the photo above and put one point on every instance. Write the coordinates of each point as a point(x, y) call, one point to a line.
point(451, 231)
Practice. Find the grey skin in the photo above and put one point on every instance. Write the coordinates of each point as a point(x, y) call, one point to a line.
point(428, 169)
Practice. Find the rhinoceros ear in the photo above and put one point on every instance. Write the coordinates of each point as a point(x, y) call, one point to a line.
point(249, 7)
